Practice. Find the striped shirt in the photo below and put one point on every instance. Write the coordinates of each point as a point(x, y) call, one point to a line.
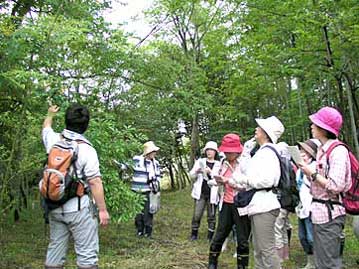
point(144, 170)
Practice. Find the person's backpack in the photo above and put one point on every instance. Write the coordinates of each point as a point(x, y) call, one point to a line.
point(60, 182)
point(287, 191)
point(351, 197)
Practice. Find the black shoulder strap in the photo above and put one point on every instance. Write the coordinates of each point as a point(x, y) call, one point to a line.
point(279, 159)
point(274, 150)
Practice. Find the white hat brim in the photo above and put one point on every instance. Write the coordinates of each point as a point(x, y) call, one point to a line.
point(263, 123)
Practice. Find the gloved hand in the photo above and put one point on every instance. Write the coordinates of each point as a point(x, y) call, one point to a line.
point(249, 145)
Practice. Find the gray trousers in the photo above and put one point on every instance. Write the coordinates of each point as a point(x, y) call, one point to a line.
point(83, 227)
point(326, 245)
point(265, 253)
point(199, 207)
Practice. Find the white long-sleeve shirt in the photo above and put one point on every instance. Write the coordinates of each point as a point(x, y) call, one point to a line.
point(261, 171)
point(199, 177)
point(303, 209)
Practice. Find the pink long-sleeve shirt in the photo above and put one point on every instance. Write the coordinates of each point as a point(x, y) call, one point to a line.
point(339, 180)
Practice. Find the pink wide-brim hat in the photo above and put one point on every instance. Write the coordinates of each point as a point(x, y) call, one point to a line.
point(231, 143)
point(328, 118)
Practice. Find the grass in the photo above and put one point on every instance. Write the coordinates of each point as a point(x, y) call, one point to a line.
point(23, 244)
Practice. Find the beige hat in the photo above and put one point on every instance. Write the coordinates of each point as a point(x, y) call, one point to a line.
point(210, 145)
point(272, 126)
point(310, 146)
point(149, 147)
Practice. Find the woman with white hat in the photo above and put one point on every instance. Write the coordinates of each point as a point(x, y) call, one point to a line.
point(330, 178)
point(262, 171)
point(146, 179)
point(205, 196)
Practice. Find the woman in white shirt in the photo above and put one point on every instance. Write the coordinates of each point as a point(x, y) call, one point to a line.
point(308, 150)
point(262, 171)
point(205, 196)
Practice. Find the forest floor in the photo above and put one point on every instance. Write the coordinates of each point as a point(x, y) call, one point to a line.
point(23, 244)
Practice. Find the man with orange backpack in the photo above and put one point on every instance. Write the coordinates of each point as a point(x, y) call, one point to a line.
point(71, 173)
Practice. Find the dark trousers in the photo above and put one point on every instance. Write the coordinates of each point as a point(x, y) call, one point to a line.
point(144, 220)
point(199, 207)
point(328, 235)
point(228, 217)
point(305, 234)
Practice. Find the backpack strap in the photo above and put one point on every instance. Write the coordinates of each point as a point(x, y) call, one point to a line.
point(73, 163)
point(279, 159)
point(330, 149)
point(274, 150)
point(329, 203)
point(332, 146)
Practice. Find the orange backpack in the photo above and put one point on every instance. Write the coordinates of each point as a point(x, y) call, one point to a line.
point(60, 182)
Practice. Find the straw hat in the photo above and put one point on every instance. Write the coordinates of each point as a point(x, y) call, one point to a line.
point(149, 147)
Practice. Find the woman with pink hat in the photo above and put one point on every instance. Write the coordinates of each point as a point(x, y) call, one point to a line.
point(330, 178)
point(228, 214)
point(203, 194)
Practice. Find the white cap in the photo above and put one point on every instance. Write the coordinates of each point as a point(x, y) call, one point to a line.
point(210, 145)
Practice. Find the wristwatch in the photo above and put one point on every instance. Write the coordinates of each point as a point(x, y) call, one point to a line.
point(314, 176)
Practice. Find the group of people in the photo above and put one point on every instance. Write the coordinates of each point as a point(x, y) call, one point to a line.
point(321, 179)
point(252, 166)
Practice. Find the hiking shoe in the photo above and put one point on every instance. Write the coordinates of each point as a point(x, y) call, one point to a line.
point(139, 234)
point(149, 236)
point(193, 237)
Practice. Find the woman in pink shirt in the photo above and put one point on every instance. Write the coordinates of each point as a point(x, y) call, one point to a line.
point(330, 178)
point(228, 215)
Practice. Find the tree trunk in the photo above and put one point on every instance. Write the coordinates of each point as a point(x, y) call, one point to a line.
point(170, 171)
point(352, 119)
point(194, 140)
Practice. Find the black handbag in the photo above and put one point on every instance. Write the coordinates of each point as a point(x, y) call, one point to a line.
point(243, 198)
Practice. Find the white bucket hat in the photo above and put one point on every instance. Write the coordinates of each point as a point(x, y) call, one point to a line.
point(210, 145)
point(272, 126)
point(149, 147)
